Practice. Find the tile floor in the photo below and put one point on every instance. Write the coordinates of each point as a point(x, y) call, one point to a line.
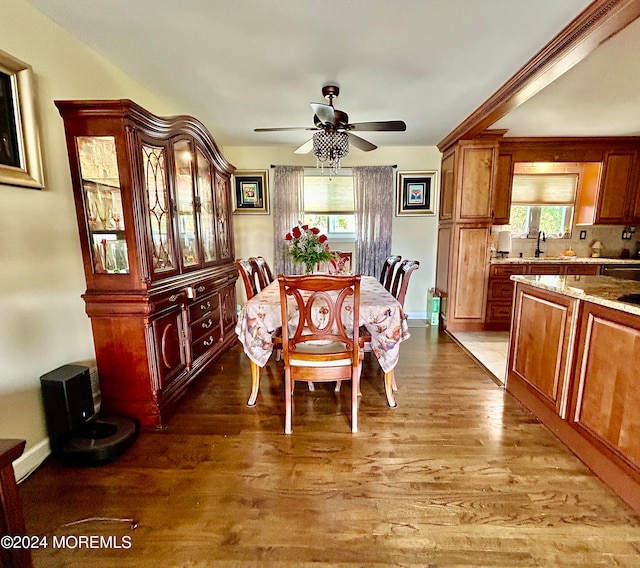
point(489, 348)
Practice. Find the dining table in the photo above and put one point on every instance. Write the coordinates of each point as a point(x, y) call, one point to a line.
point(380, 313)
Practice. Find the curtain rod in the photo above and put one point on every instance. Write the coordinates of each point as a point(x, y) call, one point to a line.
point(317, 168)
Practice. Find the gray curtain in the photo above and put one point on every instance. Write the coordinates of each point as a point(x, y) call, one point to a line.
point(288, 208)
point(373, 186)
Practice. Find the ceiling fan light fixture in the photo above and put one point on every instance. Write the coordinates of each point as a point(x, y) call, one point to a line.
point(329, 147)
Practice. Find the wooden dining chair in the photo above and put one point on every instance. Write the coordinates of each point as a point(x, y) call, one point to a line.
point(251, 276)
point(321, 348)
point(264, 269)
point(255, 281)
point(401, 279)
point(388, 269)
point(344, 257)
point(398, 290)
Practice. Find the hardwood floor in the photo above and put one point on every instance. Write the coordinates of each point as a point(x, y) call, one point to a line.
point(459, 474)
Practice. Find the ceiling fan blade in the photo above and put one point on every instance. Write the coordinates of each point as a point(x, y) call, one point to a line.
point(283, 129)
point(385, 125)
point(305, 148)
point(361, 143)
point(326, 113)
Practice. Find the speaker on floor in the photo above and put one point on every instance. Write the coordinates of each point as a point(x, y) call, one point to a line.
point(78, 433)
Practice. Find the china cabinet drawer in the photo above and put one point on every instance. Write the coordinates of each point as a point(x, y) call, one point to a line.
point(208, 341)
point(162, 302)
point(210, 321)
point(205, 287)
point(208, 304)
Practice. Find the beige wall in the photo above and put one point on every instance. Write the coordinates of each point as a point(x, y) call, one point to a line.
point(43, 323)
point(413, 237)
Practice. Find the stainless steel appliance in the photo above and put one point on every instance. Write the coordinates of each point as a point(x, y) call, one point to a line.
point(625, 271)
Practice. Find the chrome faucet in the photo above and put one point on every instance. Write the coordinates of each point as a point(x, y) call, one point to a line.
point(541, 236)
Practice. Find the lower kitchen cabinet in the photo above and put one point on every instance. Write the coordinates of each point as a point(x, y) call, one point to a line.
point(573, 364)
point(606, 393)
point(500, 288)
point(540, 345)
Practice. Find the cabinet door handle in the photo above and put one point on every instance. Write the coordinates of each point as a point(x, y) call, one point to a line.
point(201, 288)
point(174, 297)
point(209, 341)
point(205, 306)
point(208, 324)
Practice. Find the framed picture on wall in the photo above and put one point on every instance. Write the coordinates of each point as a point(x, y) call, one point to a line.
point(251, 192)
point(20, 159)
point(416, 193)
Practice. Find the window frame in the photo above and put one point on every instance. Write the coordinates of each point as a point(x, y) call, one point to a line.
point(344, 237)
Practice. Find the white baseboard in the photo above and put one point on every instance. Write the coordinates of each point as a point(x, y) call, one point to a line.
point(31, 459)
point(417, 315)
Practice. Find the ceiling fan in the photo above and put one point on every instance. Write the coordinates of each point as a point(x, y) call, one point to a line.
point(334, 131)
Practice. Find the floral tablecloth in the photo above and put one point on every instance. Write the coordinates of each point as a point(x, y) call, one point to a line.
point(380, 313)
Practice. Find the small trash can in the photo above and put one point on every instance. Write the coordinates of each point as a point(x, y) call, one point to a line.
point(433, 307)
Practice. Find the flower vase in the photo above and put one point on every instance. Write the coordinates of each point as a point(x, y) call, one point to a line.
point(309, 267)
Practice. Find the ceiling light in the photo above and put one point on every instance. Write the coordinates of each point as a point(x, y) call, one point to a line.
point(329, 147)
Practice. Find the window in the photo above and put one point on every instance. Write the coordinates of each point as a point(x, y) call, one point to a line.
point(329, 204)
point(543, 202)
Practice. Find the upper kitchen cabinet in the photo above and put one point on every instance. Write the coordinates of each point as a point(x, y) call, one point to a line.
point(152, 200)
point(468, 177)
point(476, 166)
point(615, 194)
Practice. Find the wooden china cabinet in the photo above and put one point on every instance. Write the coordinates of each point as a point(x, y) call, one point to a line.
point(152, 200)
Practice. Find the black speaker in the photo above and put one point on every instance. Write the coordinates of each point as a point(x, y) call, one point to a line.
point(76, 432)
point(68, 402)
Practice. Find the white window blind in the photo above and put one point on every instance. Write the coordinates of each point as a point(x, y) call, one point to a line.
point(544, 189)
point(323, 194)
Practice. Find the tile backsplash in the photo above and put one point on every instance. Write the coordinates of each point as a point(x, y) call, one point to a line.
point(609, 235)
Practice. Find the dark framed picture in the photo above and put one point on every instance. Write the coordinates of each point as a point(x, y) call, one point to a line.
point(416, 193)
point(251, 192)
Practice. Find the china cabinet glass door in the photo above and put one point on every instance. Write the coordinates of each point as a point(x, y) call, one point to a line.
point(223, 216)
point(185, 202)
point(207, 212)
point(103, 203)
point(158, 204)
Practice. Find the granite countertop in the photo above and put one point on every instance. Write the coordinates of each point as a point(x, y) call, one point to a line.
point(603, 290)
point(563, 259)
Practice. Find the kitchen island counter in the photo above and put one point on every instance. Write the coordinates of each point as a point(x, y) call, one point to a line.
point(573, 353)
point(602, 290)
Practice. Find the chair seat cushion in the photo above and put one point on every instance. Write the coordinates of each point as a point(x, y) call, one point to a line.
point(329, 354)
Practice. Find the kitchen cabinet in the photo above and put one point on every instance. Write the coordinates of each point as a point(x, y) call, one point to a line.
point(502, 189)
point(572, 363)
point(468, 174)
point(500, 287)
point(612, 200)
point(476, 166)
point(541, 344)
point(605, 394)
point(152, 200)
point(468, 277)
point(447, 188)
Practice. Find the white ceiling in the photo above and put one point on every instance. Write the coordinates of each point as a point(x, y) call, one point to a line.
point(598, 97)
point(241, 64)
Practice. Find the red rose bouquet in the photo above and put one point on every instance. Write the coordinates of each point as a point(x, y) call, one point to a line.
point(307, 246)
